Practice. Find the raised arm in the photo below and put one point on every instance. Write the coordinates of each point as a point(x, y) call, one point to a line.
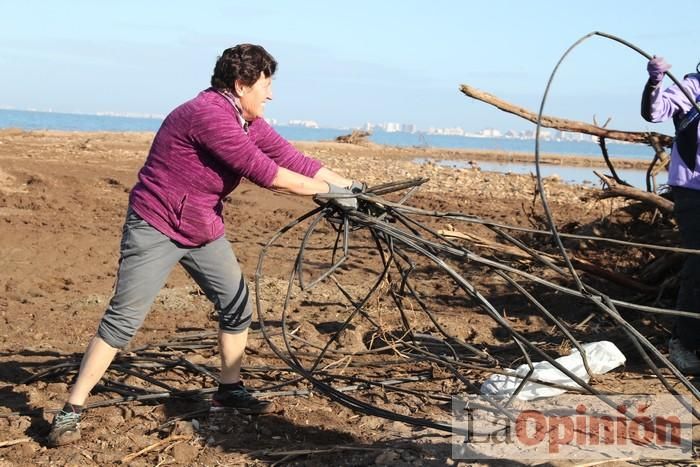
point(659, 105)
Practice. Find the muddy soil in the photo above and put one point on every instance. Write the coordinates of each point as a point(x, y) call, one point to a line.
point(63, 198)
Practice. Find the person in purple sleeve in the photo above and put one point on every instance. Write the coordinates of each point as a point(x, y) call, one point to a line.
point(200, 154)
point(659, 105)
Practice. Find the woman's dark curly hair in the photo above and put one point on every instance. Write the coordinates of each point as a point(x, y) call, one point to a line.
point(243, 62)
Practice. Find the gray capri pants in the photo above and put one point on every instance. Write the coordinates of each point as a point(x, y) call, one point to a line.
point(147, 257)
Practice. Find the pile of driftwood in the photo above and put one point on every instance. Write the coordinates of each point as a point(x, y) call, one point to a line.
point(614, 186)
point(360, 137)
point(664, 266)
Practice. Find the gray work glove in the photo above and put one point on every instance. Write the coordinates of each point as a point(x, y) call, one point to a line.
point(342, 203)
point(657, 68)
point(358, 187)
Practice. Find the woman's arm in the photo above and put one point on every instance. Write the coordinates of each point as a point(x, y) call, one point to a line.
point(280, 150)
point(331, 177)
point(659, 105)
point(285, 155)
point(287, 181)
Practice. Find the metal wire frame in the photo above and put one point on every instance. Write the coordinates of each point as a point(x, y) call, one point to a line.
point(399, 238)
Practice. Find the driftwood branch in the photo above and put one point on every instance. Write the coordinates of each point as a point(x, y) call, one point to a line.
point(615, 189)
point(563, 124)
point(579, 263)
point(14, 441)
point(162, 442)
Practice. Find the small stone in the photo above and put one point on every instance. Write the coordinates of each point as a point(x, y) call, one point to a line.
point(20, 424)
point(102, 433)
point(127, 412)
point(30, 448)
point(113, 420)
point(388, 457)
point(185, 453)
point(57, 388)
point(399, 427)
point(371, 423)
point(105, 457)
point(183, 427)
point(77, 459)
point(140, 462)
point(22, 450)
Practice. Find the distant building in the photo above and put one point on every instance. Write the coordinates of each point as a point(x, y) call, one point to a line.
point(457, 131)
point(574, 136)
point(491, 133)
point(546, 134)
point(391, 127)
point(271, 121)
point(303, 123)
point(408, 128)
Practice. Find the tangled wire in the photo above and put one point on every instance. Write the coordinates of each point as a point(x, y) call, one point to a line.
point(400, 344)
point(399, 314)
point(398, 311)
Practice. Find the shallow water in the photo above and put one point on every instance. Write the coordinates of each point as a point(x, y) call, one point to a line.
point(568, 174)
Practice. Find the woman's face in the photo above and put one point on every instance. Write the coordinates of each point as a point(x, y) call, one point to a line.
point(253, 98)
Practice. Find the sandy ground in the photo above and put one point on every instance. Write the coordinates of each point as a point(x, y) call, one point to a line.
point(62, 202)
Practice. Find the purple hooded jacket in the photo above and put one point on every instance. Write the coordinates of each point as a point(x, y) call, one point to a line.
point(670, 103)
point(199, 156)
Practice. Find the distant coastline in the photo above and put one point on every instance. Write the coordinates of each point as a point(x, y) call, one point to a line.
point(578, 153)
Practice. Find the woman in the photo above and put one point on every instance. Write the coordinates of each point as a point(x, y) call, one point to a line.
point(684, 177)
point(200, 154)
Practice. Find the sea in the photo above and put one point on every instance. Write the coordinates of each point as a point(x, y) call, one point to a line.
point(37, 120)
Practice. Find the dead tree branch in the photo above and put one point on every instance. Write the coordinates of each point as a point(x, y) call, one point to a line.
point(563, 124)
point(615, 189)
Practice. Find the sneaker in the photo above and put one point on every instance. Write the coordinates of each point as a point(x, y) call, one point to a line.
point(686, 360)
point(65, 429)
point(239, 400)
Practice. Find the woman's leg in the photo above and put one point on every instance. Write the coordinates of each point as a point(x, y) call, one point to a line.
point(215, 269)
point(687, 211)
point(232, 349)
point(96, 360)
point(147, 256)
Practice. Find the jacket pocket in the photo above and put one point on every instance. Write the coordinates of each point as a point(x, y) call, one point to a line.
point(179, 212)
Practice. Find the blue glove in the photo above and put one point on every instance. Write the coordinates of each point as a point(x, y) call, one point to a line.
point(657, 68)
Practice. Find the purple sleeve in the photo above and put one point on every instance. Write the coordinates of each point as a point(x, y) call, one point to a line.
point(281, 151)
point(217, 130)
point(666, 104)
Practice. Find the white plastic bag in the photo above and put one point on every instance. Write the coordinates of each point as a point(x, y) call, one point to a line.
point(602, 357)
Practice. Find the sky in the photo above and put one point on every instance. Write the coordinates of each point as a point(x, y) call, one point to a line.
point(346, 63)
